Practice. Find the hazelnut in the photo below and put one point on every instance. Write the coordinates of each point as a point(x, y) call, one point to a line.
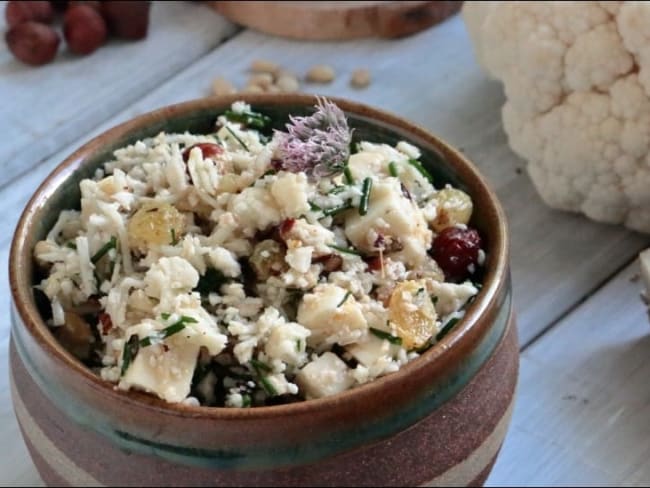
point(84, 29)
point(125, 19)
point(33, 43)
point(20, 12)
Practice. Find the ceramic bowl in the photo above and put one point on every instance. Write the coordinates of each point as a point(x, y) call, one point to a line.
point(440, 420)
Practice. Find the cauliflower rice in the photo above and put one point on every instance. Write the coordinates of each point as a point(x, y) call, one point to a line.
point(226, 270)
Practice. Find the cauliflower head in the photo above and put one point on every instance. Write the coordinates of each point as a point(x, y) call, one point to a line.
point(577, 81)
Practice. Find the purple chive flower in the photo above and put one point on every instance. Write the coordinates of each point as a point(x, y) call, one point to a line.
point(317, 144)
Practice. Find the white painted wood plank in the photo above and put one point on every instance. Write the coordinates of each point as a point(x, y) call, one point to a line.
point(43, 109)
point(583, 405)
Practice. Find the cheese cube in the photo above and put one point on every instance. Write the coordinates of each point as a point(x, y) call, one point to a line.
point(327, 375)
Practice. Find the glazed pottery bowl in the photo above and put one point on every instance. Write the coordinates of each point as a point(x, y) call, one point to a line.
point(440, 420)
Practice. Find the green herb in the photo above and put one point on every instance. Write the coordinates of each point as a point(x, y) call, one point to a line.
point(314, 208)
point(175, 328)
point(423, 171)
point(237, 138)
point(336, 190)
point(392, 169)
point(298, 345)
point(344, 299)
point(269, 172)
point(165, 315)
point(172, 231)
point(71, 245)
point(447, 327)
point(211, 281)
point(385, 335)
point(330, 212)
point(111, 244)
point(420, 290)
point(345, 250)
point(259, 365)
point(251, 119)
point(131, 348)
point(245, 400)
point(268, 387)
point(365, 196)
point(348, 175)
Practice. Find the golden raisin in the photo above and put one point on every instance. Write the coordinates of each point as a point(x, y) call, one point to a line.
point(155, 224)
point(412, 313)
point(454, 207)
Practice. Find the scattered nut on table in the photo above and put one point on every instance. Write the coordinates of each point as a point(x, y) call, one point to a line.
point(264, 66)
point(321, 73)
point(263, 80)
point(221, 86)
point(360, 78)
point(286, 82)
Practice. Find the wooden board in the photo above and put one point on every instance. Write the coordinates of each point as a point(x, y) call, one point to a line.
point(337, 20)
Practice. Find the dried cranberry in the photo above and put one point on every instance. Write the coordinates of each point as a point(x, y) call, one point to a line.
point(107, 323)
point(456, 251)
point(285, 227)
point(374, 263)
point(208, 150)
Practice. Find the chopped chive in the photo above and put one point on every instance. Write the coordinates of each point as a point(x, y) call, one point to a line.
point(447, 327)
point(423, 171)
point(298, 345)
point(314, 208)
point(268, 387)
point(392, 169)
point(344, 299)
point(245, 400)
point(111, 244)
point(175, 328)
point(336, 189)
point(260, 365)
point(269, 172)
point(251, 119)
point(365, 196)
point(172, 231)
point(330, 212)
point(348, 175)
point(131, 348)
point(71, 245)
point(385, 335)
point(420, 290)
point(165, 315)
point(237, 138)
point(345, 250)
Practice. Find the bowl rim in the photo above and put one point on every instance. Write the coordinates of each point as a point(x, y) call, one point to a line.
point(467, 332)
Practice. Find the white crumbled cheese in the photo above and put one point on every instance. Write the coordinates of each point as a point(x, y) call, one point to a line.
point(196, 299)
point(391, 215)
point(299, 258)
point(450, 296)
point(331, 316)
point(324, 376)
point(287, 342)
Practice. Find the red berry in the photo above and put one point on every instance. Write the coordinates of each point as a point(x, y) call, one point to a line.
point(456, 251)
point(33, 43)
point(127, 19)
point(84, 29)
point(20, 12)
point(208, 150)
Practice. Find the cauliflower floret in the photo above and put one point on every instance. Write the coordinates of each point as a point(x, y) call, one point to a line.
point(287, 342)
point(450, 297)
point(255, 208)
point(577, 81)
point(169, 277)
point(224, 261)
point(290, 193)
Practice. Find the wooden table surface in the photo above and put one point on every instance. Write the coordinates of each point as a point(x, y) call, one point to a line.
point(583, 410)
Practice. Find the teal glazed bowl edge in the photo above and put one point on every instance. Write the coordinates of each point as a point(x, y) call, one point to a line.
point(439, 420)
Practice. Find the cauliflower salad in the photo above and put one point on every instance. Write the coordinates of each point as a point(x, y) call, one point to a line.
point(252, 267)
